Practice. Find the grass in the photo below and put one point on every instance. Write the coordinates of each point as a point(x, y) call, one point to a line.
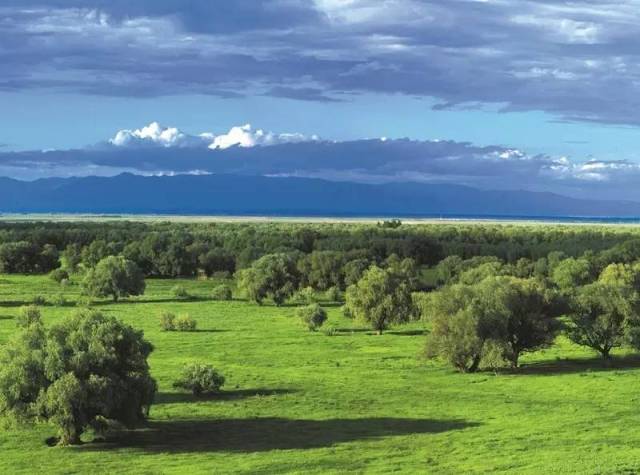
point(302, 402)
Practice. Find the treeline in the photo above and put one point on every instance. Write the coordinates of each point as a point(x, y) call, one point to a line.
point(184, 250)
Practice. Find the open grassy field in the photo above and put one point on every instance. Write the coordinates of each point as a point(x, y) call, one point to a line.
point(306, 402)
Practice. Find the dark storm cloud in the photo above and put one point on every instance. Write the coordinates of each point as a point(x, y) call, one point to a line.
point(576, 60)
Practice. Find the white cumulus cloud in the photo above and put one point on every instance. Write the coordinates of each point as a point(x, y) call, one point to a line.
point(155, 135)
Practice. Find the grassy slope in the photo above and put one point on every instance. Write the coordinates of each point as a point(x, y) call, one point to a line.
point(304, 402)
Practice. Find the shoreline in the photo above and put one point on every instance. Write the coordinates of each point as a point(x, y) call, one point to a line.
point(157, 218)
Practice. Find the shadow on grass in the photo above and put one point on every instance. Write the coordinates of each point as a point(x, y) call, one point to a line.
point(265, 434)
point(174, 398)
point(584, 365)
point(406, 332)
point(6, 317)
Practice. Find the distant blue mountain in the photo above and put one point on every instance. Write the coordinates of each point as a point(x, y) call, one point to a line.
point(257, 195)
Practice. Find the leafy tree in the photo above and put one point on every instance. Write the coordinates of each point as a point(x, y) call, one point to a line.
point(85, 369)
point(354, 269)
point(322, 269)
point(531, 317)
point(312, 315)
point(272, 276)
point(571, 273)
point(71, 258)
point(114, 276)
point(380, 298)
point(217, 260)
point(604, 317)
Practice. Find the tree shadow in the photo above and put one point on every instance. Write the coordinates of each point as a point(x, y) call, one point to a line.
point(265, 434)
point(582, 365)
point(233, 395)
point(406, 332)
point(6, 317)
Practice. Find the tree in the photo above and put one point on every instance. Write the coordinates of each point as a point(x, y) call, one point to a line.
point(380, 298)
point(272, 276)
point(114, 276)
point(531, 319)
point(513, 315)
point(455, 331)
point(571, 273)
point(603, 317)
point(82, 371)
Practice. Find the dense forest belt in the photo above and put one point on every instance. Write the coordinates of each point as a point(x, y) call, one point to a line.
point(171, 248)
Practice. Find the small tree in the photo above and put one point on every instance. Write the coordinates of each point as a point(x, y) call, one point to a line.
point(58, 275)
point(114, 276)
point(28, 316)
point(313, 316)
point(603, 316)
point(201, 379)
point(380, 298)
point(81, 371)
point(272, 276)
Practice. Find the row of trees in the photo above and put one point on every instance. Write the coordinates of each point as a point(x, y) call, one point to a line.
point(501, 317)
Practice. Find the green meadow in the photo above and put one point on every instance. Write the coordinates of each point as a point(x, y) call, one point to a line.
point(301, 402)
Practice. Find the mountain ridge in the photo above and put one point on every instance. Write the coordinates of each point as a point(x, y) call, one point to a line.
point(286, 196)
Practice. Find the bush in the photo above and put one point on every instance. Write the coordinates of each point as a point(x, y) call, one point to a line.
point(222, 292)
point(179, 292)
point(305, 295)
point(39, 300)
point(185, 323)
point(59, 275)
point(312, 315)
point(28, 316)
point(330, 331)
point(168, 321)
point(59, 300)
point(201, 379)
point(333, 294)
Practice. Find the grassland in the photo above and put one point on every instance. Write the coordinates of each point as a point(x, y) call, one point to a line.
point(305, 402)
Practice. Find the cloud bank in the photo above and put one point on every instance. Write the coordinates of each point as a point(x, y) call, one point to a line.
point(243, 150)
point(155, 135)
point(576, 60)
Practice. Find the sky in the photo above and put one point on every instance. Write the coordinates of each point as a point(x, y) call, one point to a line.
point(541, 95)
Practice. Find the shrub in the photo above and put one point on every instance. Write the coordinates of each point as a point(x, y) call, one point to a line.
point(59, 275)
point(39, 300)
point(222, 292)
point(185, 323)
point(273, 276)
point(201, 379)
point(305, 295)
point(312, 315)
point(59, 300)
point(168, 321)
point(333, 294)
point(87, 368)
point(180, 292)
point(28, 316)
point(330, 331)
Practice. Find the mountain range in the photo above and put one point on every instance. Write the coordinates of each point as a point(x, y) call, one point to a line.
point(287, 196)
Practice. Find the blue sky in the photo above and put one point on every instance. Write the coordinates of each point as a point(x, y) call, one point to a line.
point(555, 80)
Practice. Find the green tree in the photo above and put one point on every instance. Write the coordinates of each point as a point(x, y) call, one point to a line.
point(380, 298)
point(603, 317)
point(571, 273)
point(82, 371)
point(272, 276)
point(114, 276)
